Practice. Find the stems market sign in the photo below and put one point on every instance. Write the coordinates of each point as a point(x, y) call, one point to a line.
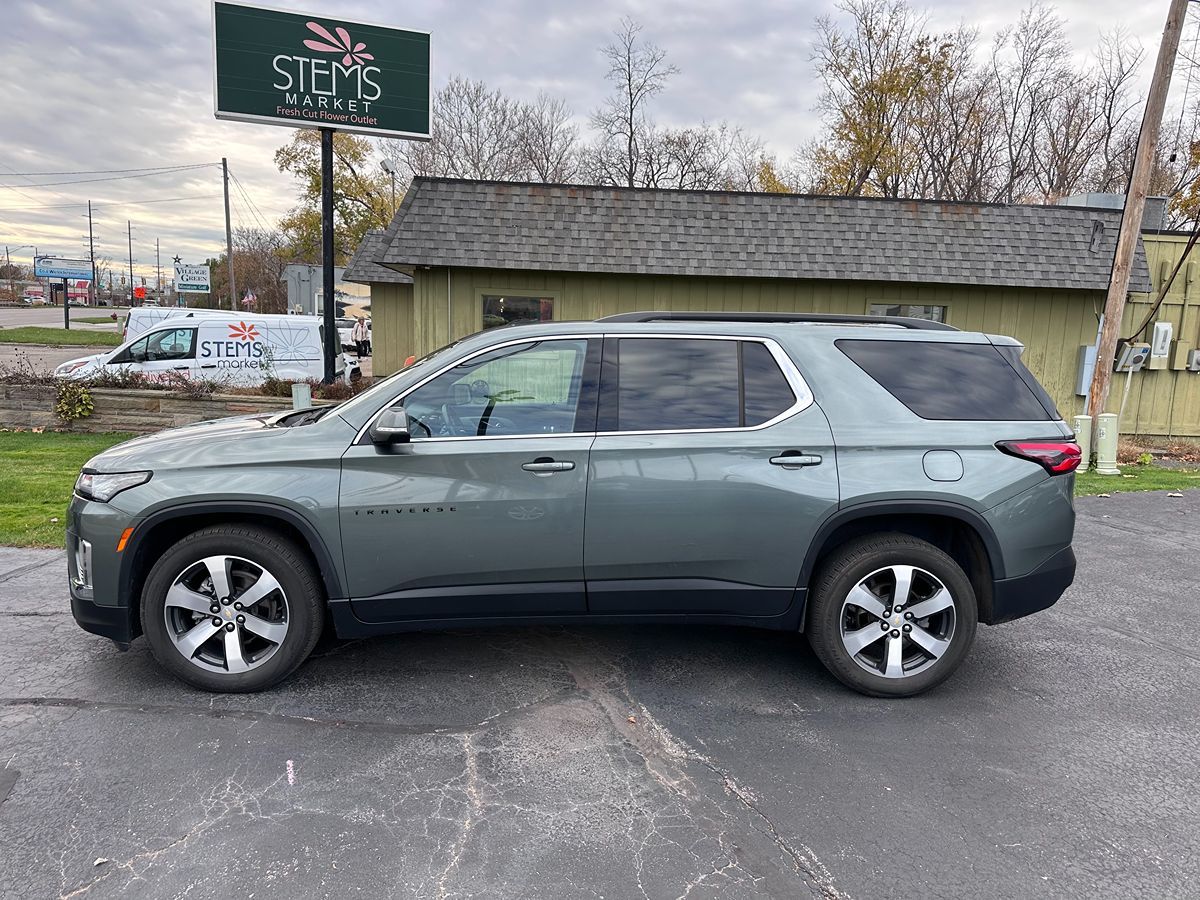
point(285, 68)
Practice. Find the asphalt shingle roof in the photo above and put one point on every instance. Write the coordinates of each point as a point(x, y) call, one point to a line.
point(554, 227)
point(364, 267)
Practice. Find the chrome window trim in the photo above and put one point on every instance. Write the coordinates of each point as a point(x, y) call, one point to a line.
point(800, 389)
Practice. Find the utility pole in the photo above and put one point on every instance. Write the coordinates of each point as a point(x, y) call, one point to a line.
point(157, 272)
point(95, 290)
point(332, 344)
point(12, 285)
point(1131, 218)
point(228, 236)
point(129, 229)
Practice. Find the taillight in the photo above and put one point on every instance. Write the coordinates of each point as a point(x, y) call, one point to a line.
point(1056, 457)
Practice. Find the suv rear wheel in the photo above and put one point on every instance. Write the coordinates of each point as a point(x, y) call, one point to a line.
point(232, 608)
point(891, 615)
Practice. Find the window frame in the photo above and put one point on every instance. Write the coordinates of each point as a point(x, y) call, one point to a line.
point(530, 293)
point(593, 373)
point(145, 337)
point(610, 374)
point(589, 391)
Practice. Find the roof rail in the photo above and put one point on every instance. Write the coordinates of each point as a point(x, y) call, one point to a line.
point(811, 318)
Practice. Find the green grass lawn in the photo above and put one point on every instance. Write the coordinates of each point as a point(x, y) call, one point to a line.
point(59, 337)
point(95, 320)
point(39, 473)
point(1136, 478)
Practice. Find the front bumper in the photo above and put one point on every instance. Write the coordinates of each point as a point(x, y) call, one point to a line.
point(115, 622)
point(96, 601)
point(1013, 598)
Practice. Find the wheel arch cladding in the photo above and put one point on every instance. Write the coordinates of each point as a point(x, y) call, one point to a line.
point(160, 530)
point(962, 533)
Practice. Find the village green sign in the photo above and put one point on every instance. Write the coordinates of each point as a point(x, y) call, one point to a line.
point(302, 71)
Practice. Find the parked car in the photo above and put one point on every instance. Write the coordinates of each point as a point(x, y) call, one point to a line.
point(34, 300)
point(239, 350)
point(880, 484)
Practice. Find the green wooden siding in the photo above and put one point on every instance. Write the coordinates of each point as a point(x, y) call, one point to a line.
point(1052, 324)
point(392, 333)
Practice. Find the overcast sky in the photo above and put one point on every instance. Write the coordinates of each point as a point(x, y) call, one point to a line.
point(126, 83)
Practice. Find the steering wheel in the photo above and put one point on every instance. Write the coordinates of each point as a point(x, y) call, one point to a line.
point(454, 424)
point(419, 423)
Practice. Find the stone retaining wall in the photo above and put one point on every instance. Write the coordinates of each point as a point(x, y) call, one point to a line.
point(139, 411)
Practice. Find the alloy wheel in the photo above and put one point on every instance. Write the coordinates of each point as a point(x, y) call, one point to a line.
point(226, 614)
point(898, 621)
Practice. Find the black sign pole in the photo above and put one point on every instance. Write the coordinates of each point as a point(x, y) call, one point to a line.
point(332, 342)
point(66, 306)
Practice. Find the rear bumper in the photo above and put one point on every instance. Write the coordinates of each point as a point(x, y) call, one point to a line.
point(1013, 598)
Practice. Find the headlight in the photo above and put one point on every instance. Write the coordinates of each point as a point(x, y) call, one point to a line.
point(68, 368)
point(103, 487)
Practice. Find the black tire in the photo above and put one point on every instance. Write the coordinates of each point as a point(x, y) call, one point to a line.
point(844, 570)
point(292, 569)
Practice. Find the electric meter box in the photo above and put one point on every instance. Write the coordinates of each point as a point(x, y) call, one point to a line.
point(1181, 351)
point(1160, 345)
point(1132, 357)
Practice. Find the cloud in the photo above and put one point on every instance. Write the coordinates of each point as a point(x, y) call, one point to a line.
point(125, 84)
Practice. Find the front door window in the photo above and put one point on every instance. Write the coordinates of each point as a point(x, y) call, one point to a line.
point(527, 389)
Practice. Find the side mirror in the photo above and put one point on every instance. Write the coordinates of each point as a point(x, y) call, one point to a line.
point(391, 427)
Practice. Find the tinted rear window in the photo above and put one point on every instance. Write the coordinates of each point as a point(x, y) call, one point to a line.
point(948, 381)
point(676, 383)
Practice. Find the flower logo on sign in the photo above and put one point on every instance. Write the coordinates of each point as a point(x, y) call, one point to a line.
point(339, 44)
point(243, 332)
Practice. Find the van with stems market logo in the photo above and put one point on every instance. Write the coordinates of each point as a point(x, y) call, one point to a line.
point(306, 71)
point(244, 347)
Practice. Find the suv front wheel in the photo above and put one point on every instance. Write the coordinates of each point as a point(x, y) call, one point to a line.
point(232, 608)
point(891, 615)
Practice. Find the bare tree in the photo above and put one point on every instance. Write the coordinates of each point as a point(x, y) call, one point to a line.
point(547, 140)
point(638, 71)
point(473, 136)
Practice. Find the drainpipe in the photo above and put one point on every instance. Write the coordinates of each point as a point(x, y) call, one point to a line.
point(448, 310)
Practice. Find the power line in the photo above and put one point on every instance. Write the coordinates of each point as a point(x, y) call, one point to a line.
point(112, 171)
point(113, 177)
point(101, 205)
point(261, 219)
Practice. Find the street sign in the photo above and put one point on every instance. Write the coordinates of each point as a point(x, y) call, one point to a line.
point(58, 267)
point(192, 279)
point(302, 71)
point(139, 293)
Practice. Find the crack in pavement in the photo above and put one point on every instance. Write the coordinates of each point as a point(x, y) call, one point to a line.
point(287, 718)
point(663, 755)
point(31, 567)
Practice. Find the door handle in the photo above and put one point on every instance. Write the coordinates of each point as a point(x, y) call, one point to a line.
point(545, 466)
point(794, 459)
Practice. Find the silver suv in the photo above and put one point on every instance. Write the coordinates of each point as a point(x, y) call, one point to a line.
point(880, 484)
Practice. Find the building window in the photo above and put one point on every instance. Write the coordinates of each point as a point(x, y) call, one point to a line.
point(932, 313)
point(499, 311)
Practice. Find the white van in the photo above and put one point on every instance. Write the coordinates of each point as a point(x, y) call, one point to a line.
point(143, 318)
point(237, 350)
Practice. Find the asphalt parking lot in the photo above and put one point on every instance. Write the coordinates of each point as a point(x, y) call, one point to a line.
point(1060, 762)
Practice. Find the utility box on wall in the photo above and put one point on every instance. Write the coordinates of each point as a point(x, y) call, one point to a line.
point(1160, 345)
point(1084, 367)
point(1132, 357)
point(1180, 353)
